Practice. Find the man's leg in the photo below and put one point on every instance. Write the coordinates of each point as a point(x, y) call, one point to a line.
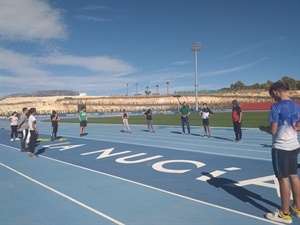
point(285, 193)
point(188, 124)
point(208, 130)
point(23, 139)
point(205, 131)
point(183, 124)
point(295, 183)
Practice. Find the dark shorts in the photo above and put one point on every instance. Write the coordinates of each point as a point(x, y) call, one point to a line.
point(83, 123)
point(284, 162)
point(205, 122)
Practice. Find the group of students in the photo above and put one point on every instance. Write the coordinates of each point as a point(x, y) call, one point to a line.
point(205, 114)
point(26, 125)
point(284, 124)
point(148, 114)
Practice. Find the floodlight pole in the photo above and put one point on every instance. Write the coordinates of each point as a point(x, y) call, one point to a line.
point(196, 46)
point(127, 89)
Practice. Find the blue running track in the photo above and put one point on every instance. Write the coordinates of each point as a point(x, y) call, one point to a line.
point(138, 178)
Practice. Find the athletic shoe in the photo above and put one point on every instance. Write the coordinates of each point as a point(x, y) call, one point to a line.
point(295, 212)
point(12, 139)
point(240, 140)
point(278, 216)
point(31, 154)
point(17, 139)
point(23, 150)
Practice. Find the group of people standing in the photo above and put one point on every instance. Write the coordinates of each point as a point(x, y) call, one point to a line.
point(27, 126)
point(205, 114)
point(148, 114)
point(284, 124)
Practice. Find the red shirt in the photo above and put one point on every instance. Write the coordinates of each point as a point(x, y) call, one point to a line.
point(236, 113)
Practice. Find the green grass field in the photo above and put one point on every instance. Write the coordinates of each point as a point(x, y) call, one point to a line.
point(219, 119)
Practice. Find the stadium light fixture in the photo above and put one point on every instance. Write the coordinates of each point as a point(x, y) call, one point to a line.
point(196, 46)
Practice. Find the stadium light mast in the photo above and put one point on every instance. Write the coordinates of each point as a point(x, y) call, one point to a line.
point(196, 46)
point(127, 89)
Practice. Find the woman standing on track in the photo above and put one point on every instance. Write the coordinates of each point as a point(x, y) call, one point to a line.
point(54, 120)
point(125, 117)
point(13, 119)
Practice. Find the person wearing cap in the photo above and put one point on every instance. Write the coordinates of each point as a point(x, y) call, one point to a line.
point(184, 114)
point(237, 116)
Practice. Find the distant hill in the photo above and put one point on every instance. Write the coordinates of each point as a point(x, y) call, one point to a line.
point(44, 93)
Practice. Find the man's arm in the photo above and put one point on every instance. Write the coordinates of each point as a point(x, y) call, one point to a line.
point(297, 128)
point(21, 122)
point(272, 129)
point(34, 126)
point(241, 117)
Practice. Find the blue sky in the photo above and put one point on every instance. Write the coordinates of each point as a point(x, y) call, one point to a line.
point(98, 47)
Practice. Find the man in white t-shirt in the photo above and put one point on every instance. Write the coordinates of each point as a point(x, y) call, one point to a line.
point(33, 131)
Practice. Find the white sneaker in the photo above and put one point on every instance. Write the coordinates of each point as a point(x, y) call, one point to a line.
point(17, 139)
point(12, 139)
point(278, 216)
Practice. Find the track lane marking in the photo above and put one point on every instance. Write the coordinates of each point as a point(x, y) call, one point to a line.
point(157, 189)
point(64, 196)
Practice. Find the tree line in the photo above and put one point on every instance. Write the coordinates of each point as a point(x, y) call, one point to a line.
point(289, 82)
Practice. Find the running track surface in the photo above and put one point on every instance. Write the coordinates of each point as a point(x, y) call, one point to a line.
point(138, 178)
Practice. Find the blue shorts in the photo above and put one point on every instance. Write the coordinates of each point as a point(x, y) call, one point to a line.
point(285, 163)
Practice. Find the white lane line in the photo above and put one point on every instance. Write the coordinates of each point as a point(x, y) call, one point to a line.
point(65, 196)
point(157, 189)
point(163, 191)
point(229, 154)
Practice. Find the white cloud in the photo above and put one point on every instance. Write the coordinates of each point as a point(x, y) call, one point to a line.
point(95, 63)
point(93, 18)
point(19, 64)
point(30, 20)
point(184, 62)
point(32, 73)
point(255, 46)
point(234, 69)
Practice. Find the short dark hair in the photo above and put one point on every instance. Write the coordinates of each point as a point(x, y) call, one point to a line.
point(277, 86)
point(24, 109)
point(32, 110)
point(235, 102)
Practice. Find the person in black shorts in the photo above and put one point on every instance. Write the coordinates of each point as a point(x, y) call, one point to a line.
point(82, 115)
point(205, 114)
point(54, 121)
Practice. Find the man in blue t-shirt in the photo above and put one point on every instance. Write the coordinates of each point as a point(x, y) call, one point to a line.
point(284, 120)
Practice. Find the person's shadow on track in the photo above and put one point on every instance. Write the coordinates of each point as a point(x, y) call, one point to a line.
point(240, 193)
